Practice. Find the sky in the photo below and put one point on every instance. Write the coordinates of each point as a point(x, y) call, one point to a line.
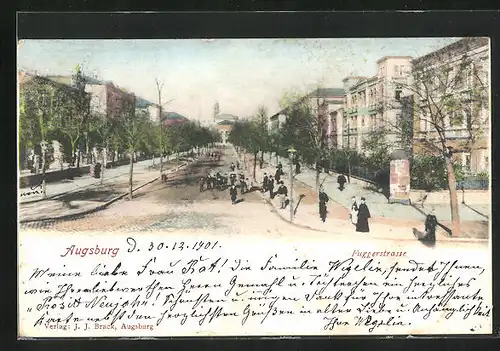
point(240, 74)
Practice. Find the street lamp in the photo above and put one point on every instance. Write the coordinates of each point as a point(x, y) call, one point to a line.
point(291, 152)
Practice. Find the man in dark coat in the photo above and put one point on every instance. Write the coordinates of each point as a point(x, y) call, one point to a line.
point(233, 192)
point(363, 215)
point(282, 193)
point(278, 174)
point(202, 184)
point(323, 199)
point(232, 178)
point(341, 180)
point(265, 183)
point(232, 167)
point(270, 186)
point(243, 186)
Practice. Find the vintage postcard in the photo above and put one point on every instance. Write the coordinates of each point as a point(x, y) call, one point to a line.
point(254, 187)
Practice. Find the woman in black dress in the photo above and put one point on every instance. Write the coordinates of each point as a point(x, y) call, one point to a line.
point(363, 215)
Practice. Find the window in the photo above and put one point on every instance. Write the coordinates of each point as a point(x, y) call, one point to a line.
point(456, 119)
point(398, 93)
point(396, 70)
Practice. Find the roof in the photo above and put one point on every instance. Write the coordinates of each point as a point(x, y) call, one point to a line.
point(225, 123)
point(226, 116)
point(173, 115)
point(353, 77)
point(142, 103)
point(459, 46)
point(392, 57)
point(68, 79)
point(327, 92)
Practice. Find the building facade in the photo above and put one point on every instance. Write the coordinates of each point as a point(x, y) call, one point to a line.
point(458, 110)
point(110, 100)
point(323, 102)
point(371, 103)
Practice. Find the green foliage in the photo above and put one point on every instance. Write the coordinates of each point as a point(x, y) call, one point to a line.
point(428, 172)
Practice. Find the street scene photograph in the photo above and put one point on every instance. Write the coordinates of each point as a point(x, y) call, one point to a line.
point(357, 139)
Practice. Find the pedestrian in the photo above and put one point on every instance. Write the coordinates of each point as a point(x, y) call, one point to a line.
point(238, 164)
point(233, 193)
point(353, 213)
point(209, 182)
point(323, 199)
point(282, 193)
point(202, 184)
point(297, 167)
point(363, 215)
point(278, 174)
point(232, 178)
point(232, 167)
point(270, 186)
point(243, 186)
point(265, 182)
point(341, 180)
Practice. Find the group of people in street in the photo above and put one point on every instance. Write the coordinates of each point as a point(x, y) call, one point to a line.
point(269, 182)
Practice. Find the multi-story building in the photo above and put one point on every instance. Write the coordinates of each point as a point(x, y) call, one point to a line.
point(458, 76)
point(106, 98)
point(372, 102)
point(148, 109)
point(324, 102)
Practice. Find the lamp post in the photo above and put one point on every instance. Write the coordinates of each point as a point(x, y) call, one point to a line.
point(291, 152)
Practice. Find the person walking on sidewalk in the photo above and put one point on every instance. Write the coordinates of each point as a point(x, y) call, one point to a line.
point(270, 186)
point(232, 167)
point(278, 174)
point(341, 180)
point(233, 192)
point(265, 182)
point(202, 184)
point(363, 215)
point(243, 186)
point(282, 193)
point(353, 213)
point(323, 199)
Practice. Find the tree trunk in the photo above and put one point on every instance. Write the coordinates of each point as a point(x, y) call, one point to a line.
point(161, 163)
point(254, 163)
point(73, 153)
point(261, 159)
point(103, 166)
point(452, 186)
point(130, 177)
point(44, 185)
point(349, 170)
point(318, 171)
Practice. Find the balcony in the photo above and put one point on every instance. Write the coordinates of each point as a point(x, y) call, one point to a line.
point(456, 134)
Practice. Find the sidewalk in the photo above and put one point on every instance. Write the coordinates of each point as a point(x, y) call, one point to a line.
point(83, 199)
point(399, 225)
point(79, 183)
point(378, 203)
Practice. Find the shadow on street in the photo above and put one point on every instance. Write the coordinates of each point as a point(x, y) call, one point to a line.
point(427, 240)
point(476, 211)
point(445, 228)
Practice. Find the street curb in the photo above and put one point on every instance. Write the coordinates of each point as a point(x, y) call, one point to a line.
point(100, 207)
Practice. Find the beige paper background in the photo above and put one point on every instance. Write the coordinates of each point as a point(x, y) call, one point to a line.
point(43, 250)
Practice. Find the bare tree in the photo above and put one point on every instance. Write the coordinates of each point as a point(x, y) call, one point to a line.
point(450, 91)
